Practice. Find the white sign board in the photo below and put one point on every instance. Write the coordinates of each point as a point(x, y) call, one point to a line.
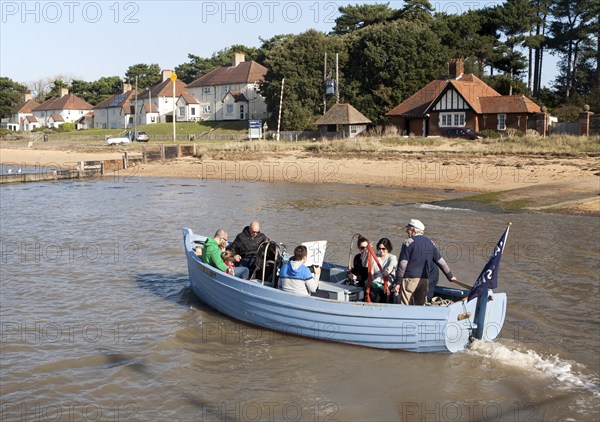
point(316, 252)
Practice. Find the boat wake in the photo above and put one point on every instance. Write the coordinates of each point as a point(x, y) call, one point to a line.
point(440, 208)
point(564, 372)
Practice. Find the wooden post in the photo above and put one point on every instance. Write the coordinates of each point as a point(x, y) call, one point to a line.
point(162, 152)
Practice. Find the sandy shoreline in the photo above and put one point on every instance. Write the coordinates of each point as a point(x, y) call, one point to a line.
point(556, 184)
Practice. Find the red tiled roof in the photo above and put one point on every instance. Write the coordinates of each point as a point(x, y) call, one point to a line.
point(165, 89)
point(509, 104)
point(66, 102)
point(417, 103)
point(146, 108)
point(57, 118)
point(245, 72)
point(26, 107)
point(469, 86)
point(342, 114)
point(31, 119)
point(189, 98)
point(237, 95)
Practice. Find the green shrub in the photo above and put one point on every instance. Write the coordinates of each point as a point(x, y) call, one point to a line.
point(67, 127)
point(490, 133)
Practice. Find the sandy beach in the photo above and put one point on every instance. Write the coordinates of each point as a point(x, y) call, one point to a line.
point(533, 182)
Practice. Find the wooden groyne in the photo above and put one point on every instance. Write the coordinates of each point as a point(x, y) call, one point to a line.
point(100, 168)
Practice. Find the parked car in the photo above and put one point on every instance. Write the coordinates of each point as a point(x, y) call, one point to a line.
point(462, 133)
point(138, 136)
point(118, 140)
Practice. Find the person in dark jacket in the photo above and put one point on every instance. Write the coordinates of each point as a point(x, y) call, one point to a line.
point(358, 272)
point(417, 256)
point(245, 245)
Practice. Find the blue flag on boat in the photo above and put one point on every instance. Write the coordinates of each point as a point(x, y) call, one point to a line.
point(488, 279)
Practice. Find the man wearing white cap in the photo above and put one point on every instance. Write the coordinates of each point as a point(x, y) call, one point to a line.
point(417, 254)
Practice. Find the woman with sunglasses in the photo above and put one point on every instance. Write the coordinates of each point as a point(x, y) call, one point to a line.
point(388, 263)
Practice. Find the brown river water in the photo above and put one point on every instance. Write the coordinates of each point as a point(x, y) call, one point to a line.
point(98, 322)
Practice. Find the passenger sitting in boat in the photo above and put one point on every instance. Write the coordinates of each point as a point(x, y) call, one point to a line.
point(295, 277)
point(358, 272)
point(388, 263)
point(211, 254)
point(245, 245)
point(228, 259)
point(417, 255)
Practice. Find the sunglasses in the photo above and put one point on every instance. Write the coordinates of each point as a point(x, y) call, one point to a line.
point(362, 248)
point(382, 249)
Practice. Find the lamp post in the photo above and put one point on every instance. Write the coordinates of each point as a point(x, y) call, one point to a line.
point(545, 110)
point(173, 79)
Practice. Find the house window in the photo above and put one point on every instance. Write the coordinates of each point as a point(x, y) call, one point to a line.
point(452, 119)
point(130, 120)
point(206, 109)
point(153, 119)
point(229, 109)
point(225, 88)
point(206, 90)
point(181, 111)
point(193, 111)
point(501, 121)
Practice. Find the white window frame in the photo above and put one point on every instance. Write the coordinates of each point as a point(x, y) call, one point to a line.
point(501, 121)
point(229, 109)
point(206, 109)
point(226, 88)
point(182, 111)
point(453, 119)
point(206, 90)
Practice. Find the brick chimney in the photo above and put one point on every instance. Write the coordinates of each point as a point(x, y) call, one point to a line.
point(238, 58)
point(166, 74)
point(126, 87)
point(64, 91)
point(456, 68)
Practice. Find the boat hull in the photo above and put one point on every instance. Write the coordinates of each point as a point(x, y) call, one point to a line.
point(385, 326)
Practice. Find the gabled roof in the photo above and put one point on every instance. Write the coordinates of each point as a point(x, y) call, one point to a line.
point(116, 100)
point(57, 118)
point(243, 73)
point(66, 102)
point(237, 95)
point(509, 103)
point(342, 114)
point(148, 109)
point(31, 119)
point(165, 89)
point(481, 97)
point(26, 107)
point(189, 98)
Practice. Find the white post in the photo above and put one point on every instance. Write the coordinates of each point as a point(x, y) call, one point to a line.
point(280, 105)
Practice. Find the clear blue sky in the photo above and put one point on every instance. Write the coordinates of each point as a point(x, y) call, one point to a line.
point(89, 39)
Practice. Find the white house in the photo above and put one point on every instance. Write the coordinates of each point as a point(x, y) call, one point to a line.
point(30, 123)
point(116, 112)
point(188, 108)
point(23, 110)
point(157, 101)
point(58, 110)
point(231, 92)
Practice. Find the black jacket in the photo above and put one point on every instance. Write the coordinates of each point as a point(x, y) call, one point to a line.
point(245, 245)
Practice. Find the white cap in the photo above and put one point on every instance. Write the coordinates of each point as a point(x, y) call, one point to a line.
point(416, 224)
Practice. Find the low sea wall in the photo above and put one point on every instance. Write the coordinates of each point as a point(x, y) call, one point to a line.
point(96, 168)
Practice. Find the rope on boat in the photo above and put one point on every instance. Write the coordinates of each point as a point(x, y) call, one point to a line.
point(438, 301)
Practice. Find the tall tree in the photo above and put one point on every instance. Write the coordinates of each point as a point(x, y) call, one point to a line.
point(147, 74)
point(514, 18)
point(571, 32)
point(417, 10)
point(389, 62)
point(11, 95)
point(300, 61)
point(356, 17)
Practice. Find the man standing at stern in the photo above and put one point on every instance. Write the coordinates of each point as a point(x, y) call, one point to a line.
point(414, 263)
